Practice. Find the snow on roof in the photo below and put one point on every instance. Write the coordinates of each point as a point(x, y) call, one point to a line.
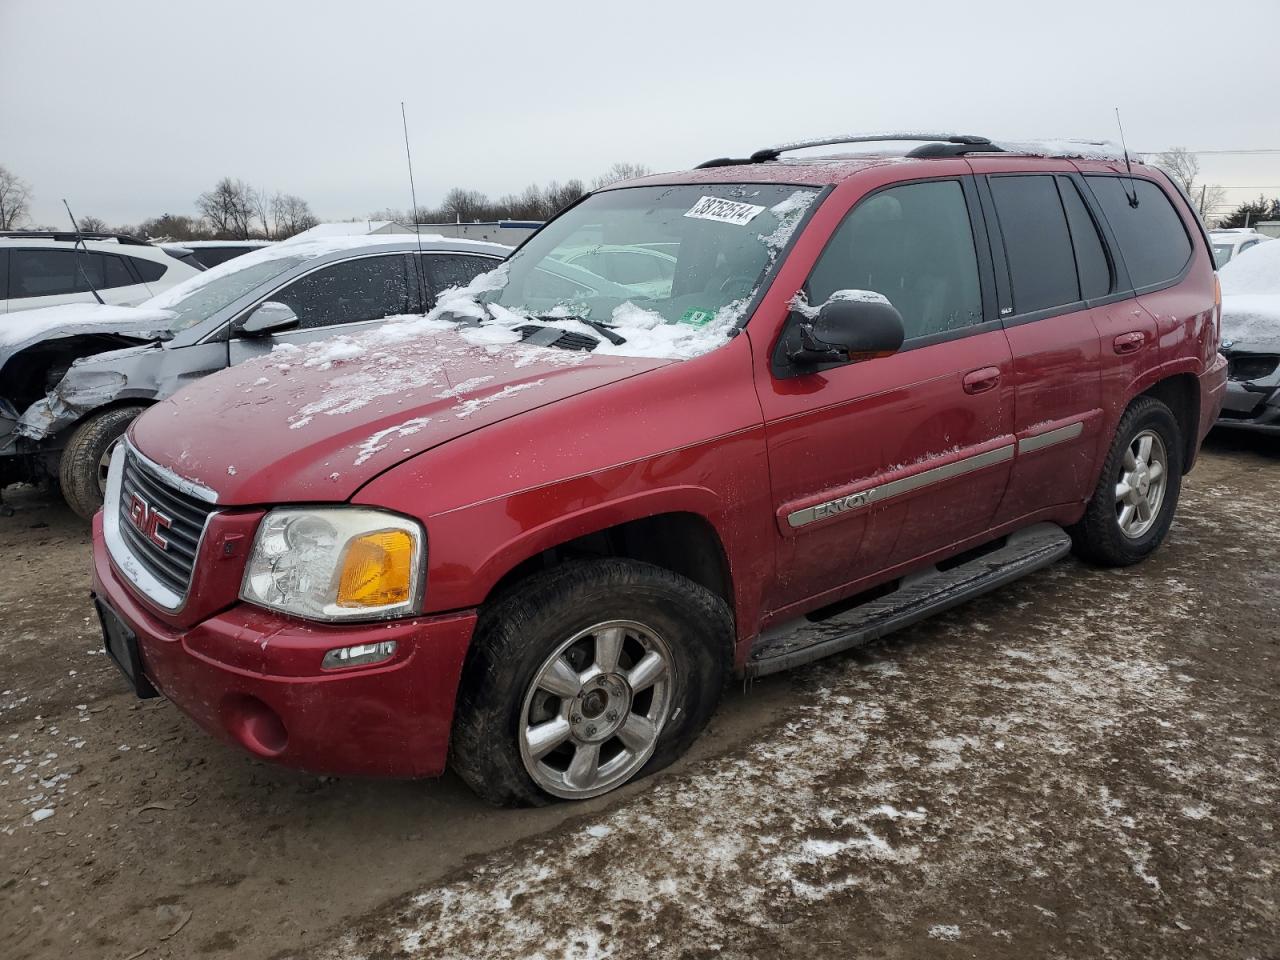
point(352, 228)
point(217, 243)
point(1068, 148)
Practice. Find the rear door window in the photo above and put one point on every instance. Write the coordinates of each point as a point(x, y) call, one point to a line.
point(1152, 238)
point(43, 273)
point(367, 288)
point(1037, 243)
point(1091, 253)
point(914, 245)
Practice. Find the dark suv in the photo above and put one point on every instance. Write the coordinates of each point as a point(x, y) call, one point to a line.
point(536, 531)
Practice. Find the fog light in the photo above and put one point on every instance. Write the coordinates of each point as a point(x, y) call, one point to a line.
point(360, 655)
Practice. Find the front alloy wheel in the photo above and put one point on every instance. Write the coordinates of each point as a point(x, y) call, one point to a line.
point(595, 709)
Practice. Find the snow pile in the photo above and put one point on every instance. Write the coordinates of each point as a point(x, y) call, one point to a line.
point(1251, 296)
point(1256, 271)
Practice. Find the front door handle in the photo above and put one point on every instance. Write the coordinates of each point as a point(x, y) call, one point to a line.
point(980, 381)
point(1128, 342)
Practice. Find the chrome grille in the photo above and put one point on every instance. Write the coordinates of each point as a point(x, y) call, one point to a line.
point(186, 516)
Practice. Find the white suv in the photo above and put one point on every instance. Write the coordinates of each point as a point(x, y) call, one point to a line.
point(40, 269)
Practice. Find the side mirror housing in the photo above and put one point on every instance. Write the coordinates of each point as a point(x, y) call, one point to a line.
point(268, 318)
point(852, 325)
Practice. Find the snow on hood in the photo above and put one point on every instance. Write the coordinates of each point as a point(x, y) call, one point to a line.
point(1256, 271)
point(314, 422)
point(20, 330)
point(1251, 298)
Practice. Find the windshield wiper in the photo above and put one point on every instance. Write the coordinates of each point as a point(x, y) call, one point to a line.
point(603, 329)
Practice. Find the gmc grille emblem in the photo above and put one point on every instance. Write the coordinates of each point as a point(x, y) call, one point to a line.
point(149, 520)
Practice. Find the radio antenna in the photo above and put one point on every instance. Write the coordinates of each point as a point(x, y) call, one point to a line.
point(1132, 195)
point(413, 213)
point(80, 246)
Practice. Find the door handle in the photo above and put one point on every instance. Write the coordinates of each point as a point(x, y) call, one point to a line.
point(980, 381)
point(1128, 342)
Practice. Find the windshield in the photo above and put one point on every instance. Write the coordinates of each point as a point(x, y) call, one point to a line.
point(672, 269)
point(201, 297)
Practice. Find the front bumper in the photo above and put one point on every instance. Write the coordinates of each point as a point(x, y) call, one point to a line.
point(252, 678)
point(1253, 404)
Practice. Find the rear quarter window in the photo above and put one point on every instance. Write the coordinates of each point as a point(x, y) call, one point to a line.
point(148, 270)
point(1152, 237)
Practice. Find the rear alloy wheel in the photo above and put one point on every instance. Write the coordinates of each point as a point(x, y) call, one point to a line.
point(595, 709)
point(586, 676)
point(1133, 504)
point(1143, 478)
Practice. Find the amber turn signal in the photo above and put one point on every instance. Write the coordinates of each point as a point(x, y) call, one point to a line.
point(376, 570)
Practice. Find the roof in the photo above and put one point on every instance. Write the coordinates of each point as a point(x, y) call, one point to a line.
point(776, 165)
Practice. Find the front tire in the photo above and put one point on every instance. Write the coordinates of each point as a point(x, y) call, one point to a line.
point(1133, 505)
point(82, 472)
point(586, 677)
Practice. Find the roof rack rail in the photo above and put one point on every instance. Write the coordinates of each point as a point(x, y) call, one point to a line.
point(68, 236)
point(935, 145)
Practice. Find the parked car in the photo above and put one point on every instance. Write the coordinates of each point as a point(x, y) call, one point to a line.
point(74, 377)
point(1231, 242)
point(45, 269)
point(1251, 340)
point(533, 535)
point(209, 253)
point(644, 271)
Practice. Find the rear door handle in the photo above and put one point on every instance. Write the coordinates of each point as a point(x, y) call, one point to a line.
point(980, 381)
point(1128, 342)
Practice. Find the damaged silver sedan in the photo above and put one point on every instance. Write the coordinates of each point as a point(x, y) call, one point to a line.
point(73, 378)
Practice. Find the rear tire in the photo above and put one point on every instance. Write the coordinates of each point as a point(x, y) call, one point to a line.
point(637, 656)
point(82, 470)
point(1133, 505)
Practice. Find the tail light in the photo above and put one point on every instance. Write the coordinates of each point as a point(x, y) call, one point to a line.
point(1217, 313)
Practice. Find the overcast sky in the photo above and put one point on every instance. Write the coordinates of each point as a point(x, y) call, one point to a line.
point(131, 109)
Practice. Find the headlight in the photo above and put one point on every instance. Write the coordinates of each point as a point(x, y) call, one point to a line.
point(336, 563)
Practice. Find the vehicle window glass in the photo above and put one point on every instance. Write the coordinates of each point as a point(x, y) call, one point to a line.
point(719, 239)
point(1091, 254)
point(367, 288)
point(447, 270)
point(1221, 253)
point(44, 273)
point(1036, 242)
point(1246, 245)
point(114, 272)
point(148, 270)
point(914, 245)
point(200, 297)
point(1152, 238)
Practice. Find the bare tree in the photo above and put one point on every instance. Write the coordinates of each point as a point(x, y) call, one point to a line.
point(291, 214)
point(620, 171)
point(93, 225)
point(15, 200)
point(229, 209)
point(1183, 168)
point(560, 196)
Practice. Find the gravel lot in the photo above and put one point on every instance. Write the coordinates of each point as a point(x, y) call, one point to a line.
point(1083, 764)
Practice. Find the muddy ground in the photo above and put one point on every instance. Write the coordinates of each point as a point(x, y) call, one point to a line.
point(1084, 764)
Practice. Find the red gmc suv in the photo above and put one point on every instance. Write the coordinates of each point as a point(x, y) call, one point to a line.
point(717, 422)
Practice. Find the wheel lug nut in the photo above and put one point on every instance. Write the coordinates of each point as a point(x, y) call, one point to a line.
point(591, 730)
point(611, 716)
point(575, 719)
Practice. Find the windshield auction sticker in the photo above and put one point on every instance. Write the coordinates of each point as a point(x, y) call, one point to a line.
point(724, 211)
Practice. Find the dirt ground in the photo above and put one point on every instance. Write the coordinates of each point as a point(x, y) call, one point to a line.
point(1084, 764)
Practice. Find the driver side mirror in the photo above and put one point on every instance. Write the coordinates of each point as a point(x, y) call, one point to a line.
point(268, 318)
point(852, 325)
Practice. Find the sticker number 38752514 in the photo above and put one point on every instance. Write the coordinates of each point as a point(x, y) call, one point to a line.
point(725, 211)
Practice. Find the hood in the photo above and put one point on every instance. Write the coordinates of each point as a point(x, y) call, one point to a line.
point(314, 423)
point(20, 330)
point(1251, 322)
